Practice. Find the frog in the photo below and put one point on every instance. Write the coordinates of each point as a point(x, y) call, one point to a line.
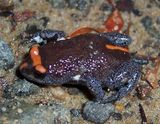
point(93, 60)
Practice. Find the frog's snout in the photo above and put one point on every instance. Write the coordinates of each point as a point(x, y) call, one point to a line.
point(23, 66)
point(29, 71)
point(26, 67)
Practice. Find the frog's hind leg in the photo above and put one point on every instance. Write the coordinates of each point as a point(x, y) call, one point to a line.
point(95, 88)
point(125, 78)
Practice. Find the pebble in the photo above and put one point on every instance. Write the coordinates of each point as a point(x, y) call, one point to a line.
point(25, 113)
point(96, 112)
point(19, 110)
point(6, 56)
point(3, 109)
point(59, 93)
point(20, 88)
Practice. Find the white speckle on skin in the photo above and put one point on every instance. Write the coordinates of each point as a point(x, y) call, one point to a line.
point(77, 77)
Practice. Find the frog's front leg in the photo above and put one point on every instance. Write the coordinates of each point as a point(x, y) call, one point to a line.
point(125, 78)
point(48, 35)
point(95, 88)
point(117, 39)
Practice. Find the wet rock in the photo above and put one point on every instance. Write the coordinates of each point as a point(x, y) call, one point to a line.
point(20, 88)
point(15, 111)
point(6, 56)
point(96, 112)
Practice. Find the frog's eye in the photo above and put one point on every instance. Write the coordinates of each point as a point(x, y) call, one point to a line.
point(36, 60)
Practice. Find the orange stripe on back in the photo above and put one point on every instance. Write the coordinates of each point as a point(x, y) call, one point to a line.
point(112, 47)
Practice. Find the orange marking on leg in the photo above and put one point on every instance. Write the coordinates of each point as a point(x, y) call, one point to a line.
point(40, 69)
point(85, 30)
point(34, 54)
point(36, 59)
point(112, 47)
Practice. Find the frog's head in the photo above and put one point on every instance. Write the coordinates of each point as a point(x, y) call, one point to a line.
point(31, 67)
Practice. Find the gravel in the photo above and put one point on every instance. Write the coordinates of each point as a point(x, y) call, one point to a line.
point(96, 112)
point(20, 88)
point(22, 113)
point(6, 55)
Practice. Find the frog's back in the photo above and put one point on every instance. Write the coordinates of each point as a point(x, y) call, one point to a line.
point(82, 54)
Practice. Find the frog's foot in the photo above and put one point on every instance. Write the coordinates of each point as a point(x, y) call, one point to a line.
point(124, 79)
point(123, 91)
